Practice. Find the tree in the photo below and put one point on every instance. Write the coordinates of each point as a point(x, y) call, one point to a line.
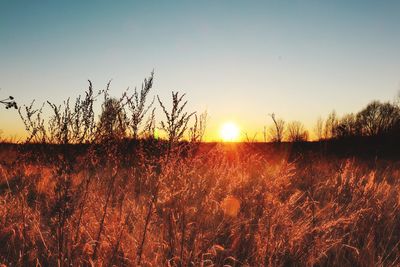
point(319, 129)
point(113, 120)
point(347, 126)
point(368, 119)
point(330, 125)
point(378, 119)
point(389, 116)
point(297, 132)
point(277, 130)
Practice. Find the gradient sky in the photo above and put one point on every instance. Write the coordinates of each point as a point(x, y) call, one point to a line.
point(240, 60)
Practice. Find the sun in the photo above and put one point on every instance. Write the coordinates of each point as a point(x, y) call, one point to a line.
point(229, 132)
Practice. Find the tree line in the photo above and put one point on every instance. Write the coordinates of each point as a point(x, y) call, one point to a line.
point(377, 120)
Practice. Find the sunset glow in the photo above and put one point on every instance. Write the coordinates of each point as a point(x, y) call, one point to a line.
point(229, 132)
point(218, 133)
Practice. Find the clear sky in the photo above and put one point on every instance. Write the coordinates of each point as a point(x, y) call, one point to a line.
point(240, 60)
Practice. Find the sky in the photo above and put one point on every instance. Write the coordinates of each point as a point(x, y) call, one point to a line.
point(239, 60)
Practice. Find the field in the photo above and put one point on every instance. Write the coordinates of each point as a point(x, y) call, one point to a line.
point(199, 133)
point(125, 187)
point(150, 203)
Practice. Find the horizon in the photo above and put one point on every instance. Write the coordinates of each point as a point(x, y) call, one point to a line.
point(240, 62)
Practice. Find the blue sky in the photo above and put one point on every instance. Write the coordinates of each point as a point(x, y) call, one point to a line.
point(240, 60)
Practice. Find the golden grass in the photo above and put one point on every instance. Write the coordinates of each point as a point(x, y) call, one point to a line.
point(204, 207)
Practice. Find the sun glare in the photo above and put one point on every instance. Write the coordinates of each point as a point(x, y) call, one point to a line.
point(229, 132)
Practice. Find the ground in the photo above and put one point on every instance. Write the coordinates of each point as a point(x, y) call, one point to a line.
point(190, 204)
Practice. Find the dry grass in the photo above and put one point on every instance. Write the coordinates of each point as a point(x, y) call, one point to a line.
point(198, 206)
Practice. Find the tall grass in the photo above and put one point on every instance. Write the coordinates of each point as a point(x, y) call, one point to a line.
point(219, 205)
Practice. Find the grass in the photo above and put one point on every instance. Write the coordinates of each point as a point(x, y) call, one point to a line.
point(197, 205)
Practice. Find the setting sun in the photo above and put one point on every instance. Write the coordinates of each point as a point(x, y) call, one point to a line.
point(229, 132)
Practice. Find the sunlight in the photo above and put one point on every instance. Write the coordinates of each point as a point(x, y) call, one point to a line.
point(229, 132)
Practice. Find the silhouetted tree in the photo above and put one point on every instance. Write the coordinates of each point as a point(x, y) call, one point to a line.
point(369, 119)
point(389, 116)
point(378, 119)
point(297, 132)
point(113, 120)
point(330, 125)
point(375, 120)
point(319, 129)
point(347, 126)
point(277, 130)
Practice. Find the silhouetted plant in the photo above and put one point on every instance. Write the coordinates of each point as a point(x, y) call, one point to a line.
point(9, 103)
point(83, 122)
point(136, 103)
point(196, 132)
point(330, 125)
point(149, 131)
point(297, 132)
point(277, 131)
point(377, 118)
point(65, 124)
point(177, 119)
point(113, 120)
point(175, 127)
point(34, 123)
point(60, 123)
point(347, 126)
point(319, 129)
point(249, 139)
